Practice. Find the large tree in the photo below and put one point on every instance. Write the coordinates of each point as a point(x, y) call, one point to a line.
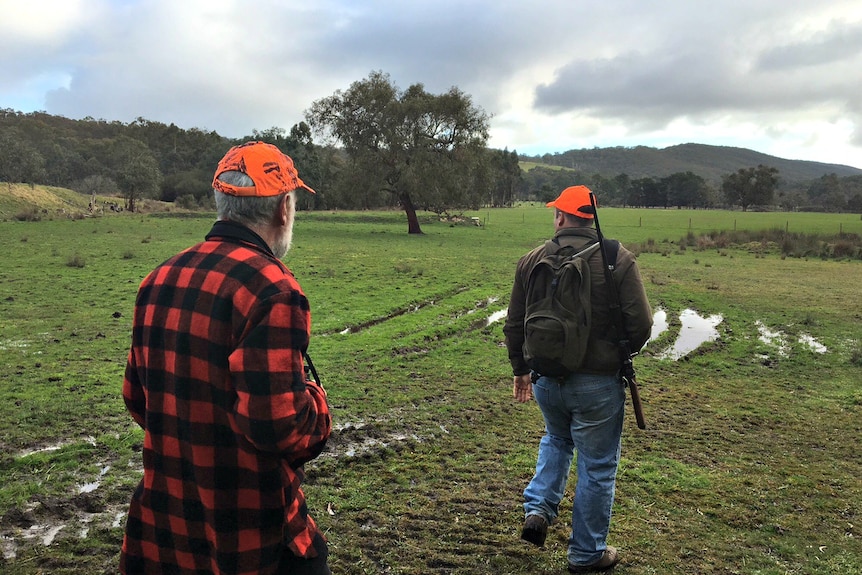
point(686, 189)
point(750, 186)
point(421, 148)
point(136, 170)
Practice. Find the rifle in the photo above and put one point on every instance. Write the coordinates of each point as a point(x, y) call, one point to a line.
point(627, 369)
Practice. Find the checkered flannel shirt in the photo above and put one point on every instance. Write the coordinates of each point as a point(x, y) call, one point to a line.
point(215, 378)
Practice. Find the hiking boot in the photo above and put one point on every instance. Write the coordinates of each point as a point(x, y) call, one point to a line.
point(609, 558)
point(535, 530)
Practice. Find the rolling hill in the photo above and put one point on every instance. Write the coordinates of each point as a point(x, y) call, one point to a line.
point(709, 162)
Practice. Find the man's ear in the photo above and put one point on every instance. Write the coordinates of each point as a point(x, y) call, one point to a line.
point(282, 214)
point(559, 218)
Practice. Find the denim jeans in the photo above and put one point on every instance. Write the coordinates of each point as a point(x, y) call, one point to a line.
point(585, 413)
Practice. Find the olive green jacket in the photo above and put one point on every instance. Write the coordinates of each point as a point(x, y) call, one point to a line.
point(603, 355)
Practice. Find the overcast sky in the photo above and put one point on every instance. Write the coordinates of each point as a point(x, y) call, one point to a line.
point(783, 77)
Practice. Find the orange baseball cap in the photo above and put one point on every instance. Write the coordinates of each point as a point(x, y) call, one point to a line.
point(271, 170)
point(575, 200)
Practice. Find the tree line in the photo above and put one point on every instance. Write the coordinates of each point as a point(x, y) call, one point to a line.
point(758, 187)
point(370, 146)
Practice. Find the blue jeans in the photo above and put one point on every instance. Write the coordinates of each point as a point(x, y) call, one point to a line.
point(583, 412)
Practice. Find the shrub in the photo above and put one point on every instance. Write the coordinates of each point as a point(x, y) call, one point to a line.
point(843, 249)
point(186, 201)
point(76, 261)
point(28, 216)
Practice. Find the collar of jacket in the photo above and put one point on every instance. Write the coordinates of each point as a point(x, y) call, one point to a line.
point(237, 233)
point(589, 233)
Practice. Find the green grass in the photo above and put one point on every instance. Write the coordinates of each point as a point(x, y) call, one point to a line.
point(749, 464)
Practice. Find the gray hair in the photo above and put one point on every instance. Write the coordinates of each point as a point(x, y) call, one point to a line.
point(246, 210)
point(573, 220)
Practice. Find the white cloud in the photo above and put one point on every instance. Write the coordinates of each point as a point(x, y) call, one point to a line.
point(778, 76)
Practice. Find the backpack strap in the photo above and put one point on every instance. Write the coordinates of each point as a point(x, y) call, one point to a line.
point(309, 368)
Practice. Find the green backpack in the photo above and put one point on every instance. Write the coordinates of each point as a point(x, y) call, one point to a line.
point(558, 312)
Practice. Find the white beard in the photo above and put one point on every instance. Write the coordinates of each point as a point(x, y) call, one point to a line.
point(282, 244)
point(285, 237)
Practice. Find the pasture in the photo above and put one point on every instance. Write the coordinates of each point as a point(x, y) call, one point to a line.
point(750, 462)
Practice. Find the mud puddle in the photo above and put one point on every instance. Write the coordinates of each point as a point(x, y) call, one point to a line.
point(781, 341)
point(695, 331)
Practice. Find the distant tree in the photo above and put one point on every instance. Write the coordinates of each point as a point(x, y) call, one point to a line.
point(622, 183)
point(19, 161)
point(96, 185)
point(790, 199)
point(605, 189)
point(829, 192)
point(686, 189)
point(750, 186)
point(544, 184)
point(418, 147)
point(192, 183)
point(824, 186)
point(62, 159)
point(654, 193)
point(636, 194)
point(135, 170)
point(508, 179)
point(646, 192)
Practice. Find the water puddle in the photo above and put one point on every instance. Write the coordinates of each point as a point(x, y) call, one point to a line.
point(90, 487)
point(775, 338)
point(53, 447)
point(659, 324)
point(812, 344)
point(360, 438)
point(780, 341)
point(497, 316)
point(377, 321)
point(50, 534)
point(695, 331)
point(9, 547)
point(493, 318)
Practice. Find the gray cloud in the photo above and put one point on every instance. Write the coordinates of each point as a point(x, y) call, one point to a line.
point(236, 66)
point(839, 45)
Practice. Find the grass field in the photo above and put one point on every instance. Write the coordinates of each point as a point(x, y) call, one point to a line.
point(750, 463)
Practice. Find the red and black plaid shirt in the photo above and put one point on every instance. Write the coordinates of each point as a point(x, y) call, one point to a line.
point(215, 378)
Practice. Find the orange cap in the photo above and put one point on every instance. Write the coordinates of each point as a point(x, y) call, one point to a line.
point(575, 200)
point(272, 171)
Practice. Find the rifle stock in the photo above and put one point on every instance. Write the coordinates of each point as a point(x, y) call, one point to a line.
point(636, 403)
point(630, 381)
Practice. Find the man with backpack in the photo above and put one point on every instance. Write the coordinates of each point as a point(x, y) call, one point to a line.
point(564, 348)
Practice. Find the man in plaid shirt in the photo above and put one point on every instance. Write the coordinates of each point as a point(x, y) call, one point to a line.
point(216, 379)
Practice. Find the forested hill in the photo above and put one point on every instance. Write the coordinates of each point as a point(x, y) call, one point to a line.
point(709, 162)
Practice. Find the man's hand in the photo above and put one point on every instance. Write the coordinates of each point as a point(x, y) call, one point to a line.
point(523, 388)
